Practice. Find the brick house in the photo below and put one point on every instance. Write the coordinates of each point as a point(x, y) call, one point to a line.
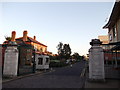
point(26, 45)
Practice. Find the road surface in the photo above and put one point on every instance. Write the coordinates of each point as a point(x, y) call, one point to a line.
point(65, 77)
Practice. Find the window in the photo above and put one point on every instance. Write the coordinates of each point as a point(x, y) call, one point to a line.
point(28, 50)
point(41, 50)
point(40, 61)
point(45, 49)
point(114, 31)
point(47, 60)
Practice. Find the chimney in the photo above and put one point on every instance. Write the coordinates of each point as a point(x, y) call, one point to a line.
point(25, 35)
point(34, 37)
point(13, 36)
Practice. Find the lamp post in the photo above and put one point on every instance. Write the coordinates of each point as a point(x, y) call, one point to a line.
point(34, 63)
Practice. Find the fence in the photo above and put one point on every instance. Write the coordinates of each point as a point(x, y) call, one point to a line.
point(112, 55)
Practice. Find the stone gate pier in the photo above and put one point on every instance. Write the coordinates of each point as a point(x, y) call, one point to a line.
point(96, 61)
point(11, 61)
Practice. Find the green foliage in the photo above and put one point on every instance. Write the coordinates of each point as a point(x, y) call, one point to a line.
point(67, 51)
point(60, 48)
point(77, 56)
point(54, 57)
point(8, 38)
point(64, 51)
point(57, 63)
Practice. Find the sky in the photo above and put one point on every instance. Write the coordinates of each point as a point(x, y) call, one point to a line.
point(73, 23)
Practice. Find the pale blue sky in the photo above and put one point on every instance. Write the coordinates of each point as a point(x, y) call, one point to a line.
point(75, 23)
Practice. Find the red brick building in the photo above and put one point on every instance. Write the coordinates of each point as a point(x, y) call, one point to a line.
point(26, 45)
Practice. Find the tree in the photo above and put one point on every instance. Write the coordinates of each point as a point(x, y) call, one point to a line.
point(67, 51)
point(60, 47)
point(60, 50)
point(8, 38)
point(76, 56)
point(64, 51)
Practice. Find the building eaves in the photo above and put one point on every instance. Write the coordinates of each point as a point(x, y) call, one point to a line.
point(35, 41)
point(114, 15)
point(30, 40)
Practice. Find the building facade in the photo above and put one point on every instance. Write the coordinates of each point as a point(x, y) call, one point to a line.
point(105, 40)
point(27, 47)
point(113, 26)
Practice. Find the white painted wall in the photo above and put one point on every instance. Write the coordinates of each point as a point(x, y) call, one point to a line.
point(11, 61)
point(96, 63)
point(44, 64)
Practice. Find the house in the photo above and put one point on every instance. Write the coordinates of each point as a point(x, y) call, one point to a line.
point(113, 26)
point(27, 47)
point(28, 40)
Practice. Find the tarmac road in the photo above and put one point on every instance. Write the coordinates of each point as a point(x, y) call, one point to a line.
point(65, 77)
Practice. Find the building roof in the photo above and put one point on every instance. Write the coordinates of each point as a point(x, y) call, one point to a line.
point(114, 15)
point(30, 40)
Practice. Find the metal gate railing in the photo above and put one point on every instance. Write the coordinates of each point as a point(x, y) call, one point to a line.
point(112, 55)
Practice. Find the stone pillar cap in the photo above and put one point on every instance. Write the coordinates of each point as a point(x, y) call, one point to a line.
point(12, 43)
point(95, 42)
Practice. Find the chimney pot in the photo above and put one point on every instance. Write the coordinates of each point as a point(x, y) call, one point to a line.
point(25, 35)
point(34, 37)
point(13, 36)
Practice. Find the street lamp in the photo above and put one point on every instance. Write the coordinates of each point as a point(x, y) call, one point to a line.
point(34, 63)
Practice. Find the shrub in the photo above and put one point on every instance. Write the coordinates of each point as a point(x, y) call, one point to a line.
point(57, 63)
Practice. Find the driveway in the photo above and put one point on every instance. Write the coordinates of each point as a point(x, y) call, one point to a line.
point(65, 77)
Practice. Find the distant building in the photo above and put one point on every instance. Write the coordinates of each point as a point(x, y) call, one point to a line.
point(104, 39)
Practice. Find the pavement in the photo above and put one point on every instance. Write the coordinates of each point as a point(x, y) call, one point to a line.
point(112, 79)
point(8, 79)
